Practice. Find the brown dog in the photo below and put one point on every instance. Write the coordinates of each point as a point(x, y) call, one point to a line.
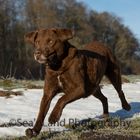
point(75, 72)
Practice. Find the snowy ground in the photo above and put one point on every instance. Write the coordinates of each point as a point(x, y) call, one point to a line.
point(25, 108)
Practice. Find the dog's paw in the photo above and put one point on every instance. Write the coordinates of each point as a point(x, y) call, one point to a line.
point(30, 133)
point(105, 116)
point(126, 107)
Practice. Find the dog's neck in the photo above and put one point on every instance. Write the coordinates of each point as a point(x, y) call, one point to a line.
point(70, 53)
point(67, 50)
point(66, 59)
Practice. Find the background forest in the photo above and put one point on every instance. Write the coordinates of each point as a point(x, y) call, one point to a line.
point(18, 17)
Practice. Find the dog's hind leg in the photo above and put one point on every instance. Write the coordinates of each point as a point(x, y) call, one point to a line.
point(98, 94)
point(114, 76)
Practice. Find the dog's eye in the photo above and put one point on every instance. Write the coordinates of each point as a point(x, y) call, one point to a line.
point(50, 41)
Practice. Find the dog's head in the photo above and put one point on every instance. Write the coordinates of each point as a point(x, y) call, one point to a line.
point(49, 43)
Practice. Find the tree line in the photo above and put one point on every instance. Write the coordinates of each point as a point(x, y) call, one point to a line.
point(18, 17)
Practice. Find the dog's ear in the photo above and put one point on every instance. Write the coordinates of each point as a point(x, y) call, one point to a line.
point(64, 34)
point(30, 37)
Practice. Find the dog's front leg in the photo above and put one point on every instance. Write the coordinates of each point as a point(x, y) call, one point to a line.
point(63, 101)
point(44, 107)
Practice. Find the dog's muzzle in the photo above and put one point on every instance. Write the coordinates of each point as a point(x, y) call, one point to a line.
point(40, 58)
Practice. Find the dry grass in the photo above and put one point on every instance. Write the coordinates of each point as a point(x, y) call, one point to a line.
point(9, 84)
point(92, 133)
point(8, 94)
point(33, 86)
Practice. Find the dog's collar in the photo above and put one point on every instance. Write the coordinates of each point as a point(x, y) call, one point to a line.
point(68, 61)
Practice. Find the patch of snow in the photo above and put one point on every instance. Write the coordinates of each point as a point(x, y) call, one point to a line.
point(25, 108)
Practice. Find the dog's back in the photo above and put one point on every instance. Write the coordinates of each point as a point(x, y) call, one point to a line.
point(102, 50)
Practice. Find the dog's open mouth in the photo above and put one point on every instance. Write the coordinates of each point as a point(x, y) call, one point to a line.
point(53, 61)
point(51, 54)
point(50, 58)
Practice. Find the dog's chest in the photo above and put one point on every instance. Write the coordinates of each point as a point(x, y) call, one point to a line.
point(59, 81)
